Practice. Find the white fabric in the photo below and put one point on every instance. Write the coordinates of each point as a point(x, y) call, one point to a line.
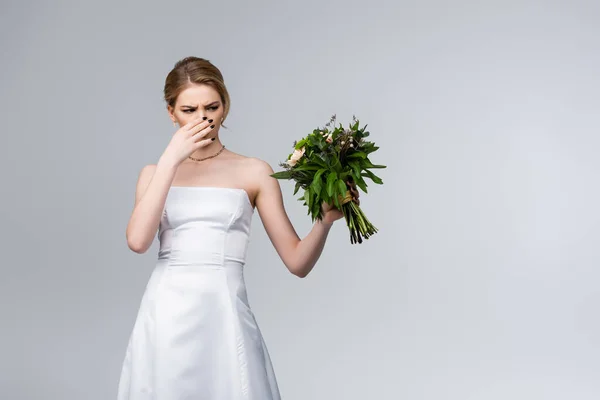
point(195, 336)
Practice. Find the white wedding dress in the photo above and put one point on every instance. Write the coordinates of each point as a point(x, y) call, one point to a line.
point(195, 336)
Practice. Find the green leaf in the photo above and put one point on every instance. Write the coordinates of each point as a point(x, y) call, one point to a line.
point(373, 177)
point(331, 180)
point(342, 188)
point(315, 209)
point(324, 195)
point(360, 182)
point(282, 175)
point(355, 167)
point(297, 187)
point(317, 182)
point(321, 144)
point(307, 197)
point(336, 198)
point(336, 165)
point(318, 159)
point(307, 167)
point(316, 185)
point(357, 154)
point(367, 164)
point(344, 175)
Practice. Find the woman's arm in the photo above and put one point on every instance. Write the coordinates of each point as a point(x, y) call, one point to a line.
point(151, 193)
point(155, 181)
point(299, 256)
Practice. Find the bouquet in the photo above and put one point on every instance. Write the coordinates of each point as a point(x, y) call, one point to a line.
point(329, 164)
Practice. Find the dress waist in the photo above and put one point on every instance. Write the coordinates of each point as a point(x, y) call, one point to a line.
point(198, 257)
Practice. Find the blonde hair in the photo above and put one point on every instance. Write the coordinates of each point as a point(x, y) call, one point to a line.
point(195, 70)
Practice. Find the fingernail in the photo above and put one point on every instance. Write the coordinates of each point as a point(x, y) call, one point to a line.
point(204, 118)
point(210, 121)
point(213, 139)
point(212, 126)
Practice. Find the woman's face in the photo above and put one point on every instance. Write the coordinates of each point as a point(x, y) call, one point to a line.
point(198, 101)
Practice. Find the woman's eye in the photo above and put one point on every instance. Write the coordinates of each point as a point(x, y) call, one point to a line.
point(213, 108)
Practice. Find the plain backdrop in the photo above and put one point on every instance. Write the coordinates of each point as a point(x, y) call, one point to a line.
point(483, 282)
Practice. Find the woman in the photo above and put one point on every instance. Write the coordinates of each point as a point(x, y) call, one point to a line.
point(195, 336)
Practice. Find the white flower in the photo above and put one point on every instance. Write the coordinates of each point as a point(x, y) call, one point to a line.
point(328, 136)
point(298, 153)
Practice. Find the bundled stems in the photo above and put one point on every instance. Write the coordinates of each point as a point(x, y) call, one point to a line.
point(358, 224)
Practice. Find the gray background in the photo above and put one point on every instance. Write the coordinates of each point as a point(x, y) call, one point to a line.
point(483, 280)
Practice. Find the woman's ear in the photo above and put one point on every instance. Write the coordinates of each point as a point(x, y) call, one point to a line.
point(170, 111)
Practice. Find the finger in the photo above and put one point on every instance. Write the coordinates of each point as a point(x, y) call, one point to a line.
point(203, 143)
point(197, 124)
point(202, 133)
point(199, 127)
point(193, 123)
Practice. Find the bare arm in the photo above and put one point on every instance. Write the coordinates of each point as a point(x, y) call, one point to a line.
point(298, 255)
point(154, 182)
point(151, 193)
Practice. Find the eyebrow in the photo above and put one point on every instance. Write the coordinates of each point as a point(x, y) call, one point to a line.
point(214, 103)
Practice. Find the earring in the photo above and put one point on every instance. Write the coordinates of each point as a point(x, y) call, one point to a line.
point(175, 124)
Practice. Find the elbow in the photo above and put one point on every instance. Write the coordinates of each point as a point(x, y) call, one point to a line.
point(137, 249)
point(137, 246)
point(299, 272)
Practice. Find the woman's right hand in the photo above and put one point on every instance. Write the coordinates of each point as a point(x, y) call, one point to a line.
point(189, 138)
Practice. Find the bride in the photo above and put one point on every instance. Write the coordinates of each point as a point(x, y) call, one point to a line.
point(195, 336)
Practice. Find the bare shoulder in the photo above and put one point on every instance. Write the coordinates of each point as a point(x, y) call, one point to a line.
point(259, 170)
point(253, 165)
point(269, 198)
point(260, 173)
point(255, 172)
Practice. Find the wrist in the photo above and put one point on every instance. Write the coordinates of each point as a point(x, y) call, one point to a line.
point(325, 223)
point(166, 163)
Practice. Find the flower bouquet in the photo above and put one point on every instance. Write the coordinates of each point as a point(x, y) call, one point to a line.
point(329, 164)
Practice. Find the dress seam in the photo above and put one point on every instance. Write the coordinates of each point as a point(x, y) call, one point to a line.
point(240, 356)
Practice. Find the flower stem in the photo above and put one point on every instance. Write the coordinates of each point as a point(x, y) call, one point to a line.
point(358, 224)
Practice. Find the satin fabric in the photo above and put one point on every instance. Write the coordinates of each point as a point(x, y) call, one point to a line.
point(195, 336)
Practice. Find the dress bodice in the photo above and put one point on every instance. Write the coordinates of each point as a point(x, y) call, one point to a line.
point(195, 335)
point(205, 226)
